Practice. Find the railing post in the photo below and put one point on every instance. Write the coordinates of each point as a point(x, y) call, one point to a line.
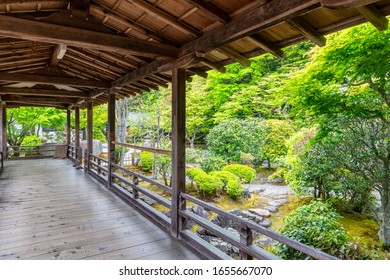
point(135, 192)
point(79, 158)
point(111, 136)
point(246, 239)
point(86, 161)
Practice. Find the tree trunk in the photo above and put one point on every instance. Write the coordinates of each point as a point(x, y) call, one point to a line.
point(269, 162)
point(385, 223)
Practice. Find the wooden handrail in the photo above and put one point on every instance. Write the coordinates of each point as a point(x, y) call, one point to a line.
point(310, 251)
point(147, 149)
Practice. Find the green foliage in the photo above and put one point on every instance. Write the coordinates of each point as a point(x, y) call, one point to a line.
point(146, 160)
point(277, 132)
point(212, 162)
point(163, 166)
point(316, 224)
point(193, 172)
point(194, 155)
point(224, 176)
point(208, 184)
point(234, 189)
point(232, 137)
point(245, 173)
point(32, 140)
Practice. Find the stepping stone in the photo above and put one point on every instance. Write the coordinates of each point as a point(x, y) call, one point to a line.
point(260, 212)
point(271, 208)
point(266, 223)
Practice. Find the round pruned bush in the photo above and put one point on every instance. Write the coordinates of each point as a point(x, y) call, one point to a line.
point(234, 189)
point(245, 173)
point(316, 225)
point(146, 160)
point(208, 184)
point(193, 172)
point(224, 176)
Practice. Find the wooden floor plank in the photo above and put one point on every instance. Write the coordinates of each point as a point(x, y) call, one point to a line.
point(50, 210)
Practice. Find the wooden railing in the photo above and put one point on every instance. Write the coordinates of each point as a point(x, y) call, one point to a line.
point(41, 151)
point(1, 160)
point(127, 184)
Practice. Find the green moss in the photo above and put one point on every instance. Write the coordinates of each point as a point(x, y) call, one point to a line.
point(361, 228)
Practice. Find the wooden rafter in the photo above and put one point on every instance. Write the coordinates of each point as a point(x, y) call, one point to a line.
point(346, 4)
point(42, 92)
point(55, 34)
point(50, 80)
point(265, 45)
point(308, 31)
point(36, 99)
point(211, 10)
point(373, 15)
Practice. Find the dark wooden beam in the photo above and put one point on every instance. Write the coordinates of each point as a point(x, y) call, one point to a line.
point(165, 17)
point(68, 130)
point(346, 4)
point(33, 104)
point(55, 34)
point(111, 136)
point(89, 132)
point(235, 56)
point(42, 92)
point(40, 99)
point(265, 45)
point(268, 15)
point(211, 10)
point(373, 15)
point(58, 53)
point(77, 127)
point(52, 80)
point(178, 183)
point(302, 26)
point(3, 128)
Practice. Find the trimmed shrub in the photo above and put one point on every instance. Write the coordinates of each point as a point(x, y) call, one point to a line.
point(224, 176)
point(234, 189)
point(317, 225)
point(192, 173)
point(146, 160)
point(245, 173)
point(208, 184)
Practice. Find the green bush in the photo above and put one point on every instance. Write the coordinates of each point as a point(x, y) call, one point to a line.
point(234, 189)
point(208, 184)
point(317, 225)
point(146, 160)
point(224, 176)
point(193, 172)
point(245, 173)
point(213, 162)
point(195, 155)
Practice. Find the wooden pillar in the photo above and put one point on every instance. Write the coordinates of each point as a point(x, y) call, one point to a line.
point(89, 132)
point(178, 148)
point(111, 136)
point(3, 129)
point(77, 136)
point(68, 131)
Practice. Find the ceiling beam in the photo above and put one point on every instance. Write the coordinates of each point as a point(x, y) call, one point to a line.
point(55, 34)
point(44, 100)
point(272, 13)
point(52, 80)
point(346, 4)
point(265, 45)
point(211, 10)
point(304, 27)
point(58, 54)
point(229, 52)
point(165, 17)
point(373, 15)
point(42, 92)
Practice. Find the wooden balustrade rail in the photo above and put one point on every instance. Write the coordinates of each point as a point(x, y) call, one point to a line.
point(141, 148)
point(129, 190)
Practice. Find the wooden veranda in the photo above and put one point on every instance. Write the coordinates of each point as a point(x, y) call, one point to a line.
point(77, 54)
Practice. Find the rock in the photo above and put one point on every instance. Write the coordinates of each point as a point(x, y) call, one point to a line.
point(258, 219)
point(271, 208)
point(200, 211)
point(266, 223)
point(248, 215)
point(221, 221)
point(278, 202)
point(260, 212)
point(189, 224)
point(265, 241)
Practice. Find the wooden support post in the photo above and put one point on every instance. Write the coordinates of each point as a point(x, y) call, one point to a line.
point(68, 131)
point(178, 148)
point(77, 135)
point(89, 133)
point(246, 238)
point(135, 192)
point(111, 136)
point(3, 129)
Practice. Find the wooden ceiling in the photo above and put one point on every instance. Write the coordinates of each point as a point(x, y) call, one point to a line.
point(64, 53)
